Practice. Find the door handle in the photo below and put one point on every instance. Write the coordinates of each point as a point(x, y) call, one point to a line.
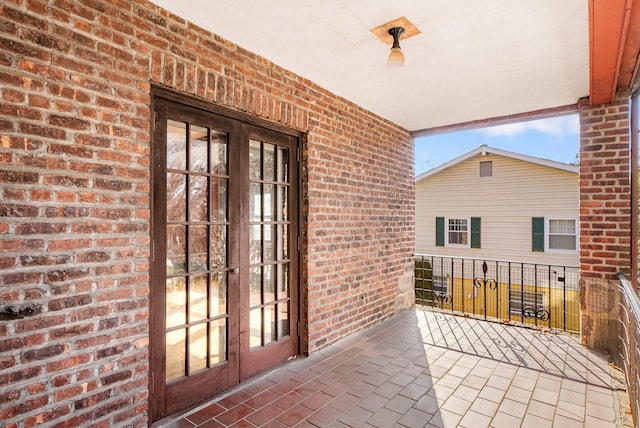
point(235, 270)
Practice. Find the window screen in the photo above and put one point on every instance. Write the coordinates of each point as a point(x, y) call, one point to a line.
point(562, 234)
point(486, 169)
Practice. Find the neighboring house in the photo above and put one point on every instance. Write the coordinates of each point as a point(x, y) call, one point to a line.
point(496, 205)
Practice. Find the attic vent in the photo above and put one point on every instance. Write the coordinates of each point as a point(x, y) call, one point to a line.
point(486, 169)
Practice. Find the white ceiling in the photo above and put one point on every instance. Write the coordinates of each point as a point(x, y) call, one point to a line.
point(474, 59)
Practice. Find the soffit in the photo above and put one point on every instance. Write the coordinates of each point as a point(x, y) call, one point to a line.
point(473, 59)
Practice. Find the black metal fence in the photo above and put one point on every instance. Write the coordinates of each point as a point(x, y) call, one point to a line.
point(531, 294)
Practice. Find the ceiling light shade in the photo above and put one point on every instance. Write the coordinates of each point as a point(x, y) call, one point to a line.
point(396, 57)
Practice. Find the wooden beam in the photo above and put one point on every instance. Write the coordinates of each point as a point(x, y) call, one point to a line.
point(608, 27)
point(501, 120)
point(631, 52)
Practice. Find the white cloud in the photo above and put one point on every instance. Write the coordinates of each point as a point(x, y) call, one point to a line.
point(556, 126)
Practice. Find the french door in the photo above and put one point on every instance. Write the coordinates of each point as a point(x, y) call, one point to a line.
point(224, 289)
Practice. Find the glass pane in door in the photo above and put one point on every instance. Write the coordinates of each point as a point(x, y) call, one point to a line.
point(176, 196)
point(176, 301)
point(197, 268)
point(198, 156)
point(198, 198)
point(176, 145)
point(175, 366)
point(217, 341)
point(197, 348)
point(269, 228)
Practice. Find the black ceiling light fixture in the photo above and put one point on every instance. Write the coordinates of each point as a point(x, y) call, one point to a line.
point(399, 28)
point(396, 57)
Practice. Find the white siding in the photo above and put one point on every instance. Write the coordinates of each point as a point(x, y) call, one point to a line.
point(505, 202)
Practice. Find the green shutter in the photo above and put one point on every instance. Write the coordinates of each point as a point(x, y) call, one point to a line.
point(475, 232)
point(537, 234)
point(439, 231)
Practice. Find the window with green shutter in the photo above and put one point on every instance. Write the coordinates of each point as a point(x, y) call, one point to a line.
point(537, 234)
point(439, 231)
point(475, 232)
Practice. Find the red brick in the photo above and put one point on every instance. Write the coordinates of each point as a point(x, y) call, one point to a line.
point(93, 341)
point(69, 244)
point(19, 177)
point(47, 416)
point(41, 228)
point(116, 377)
point(6, 362)
point(63, 394)
point(13, 96)
point(7, 396)
point(23, 49)
point(9, 296)
point(67, 363)
point(15, 194)
point(91, 312)
point(20, 278)
point(61, 380)
point(43, 353)
point(111, 407)
point(12, 245)
point(68, 122)
point(34, 293)
point(71, 331)
point(19, 375)
point(36, 388)
point(41, 195)
point(38, 323)
point(7, 413)
point(11, 344)
point(65, 275)
point(6, 126)
point(63, 106)
point(74, 422)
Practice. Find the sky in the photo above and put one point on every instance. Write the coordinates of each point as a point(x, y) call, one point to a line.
point(555, 138)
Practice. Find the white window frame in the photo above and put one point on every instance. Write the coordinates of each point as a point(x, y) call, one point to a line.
point(446, 232)
point(529, 296)
point(547, 233)
point(440, 283)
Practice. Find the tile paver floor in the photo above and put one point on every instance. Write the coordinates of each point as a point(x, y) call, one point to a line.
point(426, 369)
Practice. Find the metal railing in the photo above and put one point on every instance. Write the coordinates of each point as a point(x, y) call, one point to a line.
point(531, 294)
point(629, 349)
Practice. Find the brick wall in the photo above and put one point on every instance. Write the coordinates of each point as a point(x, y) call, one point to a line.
point(605, 189)
point(360, 220)
point(74, 211)
point(605, 215)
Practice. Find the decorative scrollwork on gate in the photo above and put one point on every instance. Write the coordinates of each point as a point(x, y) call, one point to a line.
point(541, 314)
point(442, 298)
point(480, 282)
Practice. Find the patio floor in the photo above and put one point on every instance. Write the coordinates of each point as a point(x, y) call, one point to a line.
point(427, 369)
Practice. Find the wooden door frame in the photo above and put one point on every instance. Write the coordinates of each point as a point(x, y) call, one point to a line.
point(157, 301)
